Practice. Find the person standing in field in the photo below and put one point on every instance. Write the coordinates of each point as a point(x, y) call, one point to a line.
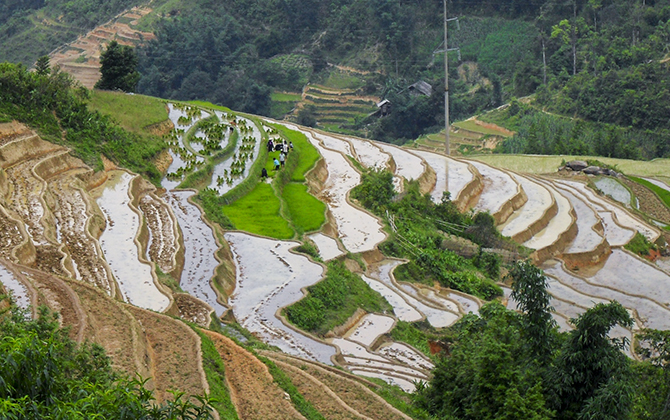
point(282, 158)
point(276, 162)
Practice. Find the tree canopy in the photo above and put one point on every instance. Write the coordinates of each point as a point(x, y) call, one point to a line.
point(118, 66)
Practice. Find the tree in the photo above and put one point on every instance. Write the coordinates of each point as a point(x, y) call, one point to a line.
point(118, 68)
point(529, 290)
point(592, 376)
point(42, 66)
point(486, 376)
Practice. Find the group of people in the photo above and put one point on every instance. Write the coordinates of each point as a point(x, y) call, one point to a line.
point(283, 148)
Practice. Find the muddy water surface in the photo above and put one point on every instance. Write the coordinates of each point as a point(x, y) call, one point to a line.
point(558, 224)
point(459, 174)
point(369, 155)
point(539, 201)
point(117, 242)
point(18, 289)
point(403, 310)
point(652, 314)
point(358, 230)
point(499, 188)
point(199, 249)
point(369, 328)
point(269, 277)
point(328, 248)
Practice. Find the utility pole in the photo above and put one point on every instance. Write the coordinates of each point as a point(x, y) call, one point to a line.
point(446, 88)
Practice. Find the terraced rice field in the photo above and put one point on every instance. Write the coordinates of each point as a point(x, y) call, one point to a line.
point(110, 238)
point(133, 276)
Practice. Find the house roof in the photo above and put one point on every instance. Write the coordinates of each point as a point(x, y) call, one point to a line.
point(421, 87)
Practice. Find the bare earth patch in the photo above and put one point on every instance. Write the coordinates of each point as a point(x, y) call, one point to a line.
point(252, 389)
point(352, 392)
point(115, 329)
point(176, 358)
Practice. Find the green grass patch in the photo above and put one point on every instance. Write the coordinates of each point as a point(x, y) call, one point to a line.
point(306, 211)
point(307, 154)
point(415, 334)
point(640, 245)
point(216, 378)
point(205, 104)
point(285, 97)
point(333, 300)
point(259, 212)
point(400, 399)
point(339, 80)
point(662, 193)
point(279, 109)
point(471, 126)
point(133, 112)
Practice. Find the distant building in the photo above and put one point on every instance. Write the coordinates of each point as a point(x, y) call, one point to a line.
point(383, 108)
point(420, 88)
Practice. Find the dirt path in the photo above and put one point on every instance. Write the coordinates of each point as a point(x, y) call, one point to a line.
point(72, 213)
point(175, 353)
point(649, 202)
point(252, 389)
point(163, 242)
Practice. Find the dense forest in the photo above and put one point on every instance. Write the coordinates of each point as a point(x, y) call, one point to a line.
point(604, 61)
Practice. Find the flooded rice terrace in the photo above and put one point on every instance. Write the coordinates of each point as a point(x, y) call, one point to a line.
point(200, 248)
point(118, 244)
point(270, 277)
point(18, 290)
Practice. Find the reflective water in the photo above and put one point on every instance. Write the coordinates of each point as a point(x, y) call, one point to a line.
point(403, 310)
point(328, 248)
point(539, 201)
point(200, 247)
point(269, 278)
point(369, 328)
point(18, 290)
point(499, 188)
point(558, 224)
point(614, 189)
point(587, 238)
point(358, 230)
point(369, 155)
point(408, 165)
point(459, 174)
point(120, 250)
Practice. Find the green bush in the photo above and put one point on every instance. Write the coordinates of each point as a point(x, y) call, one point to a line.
point(44, 374)
point(333, 300)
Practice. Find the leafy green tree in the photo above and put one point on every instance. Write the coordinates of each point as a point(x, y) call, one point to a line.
point(592, 375)
point(118, 66)
point(529, 290)
point(652, 399)
point(486, 375)
point(42, 66)
point(375, 191)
